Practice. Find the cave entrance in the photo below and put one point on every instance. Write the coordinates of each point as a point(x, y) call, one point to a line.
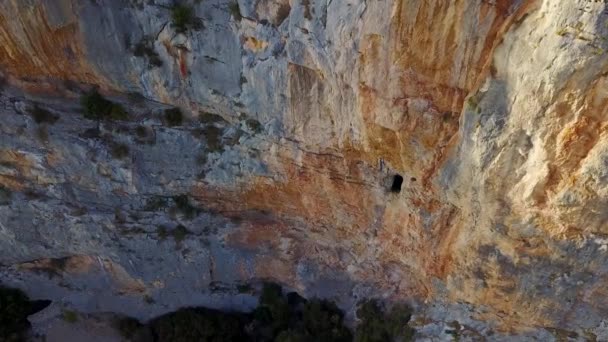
point(397, 182)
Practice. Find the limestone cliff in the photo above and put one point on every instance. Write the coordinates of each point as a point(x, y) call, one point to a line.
point(492, 112)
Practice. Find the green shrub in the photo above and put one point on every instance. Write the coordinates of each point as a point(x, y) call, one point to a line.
point(118, 112)
point(5, 195)
point(97, 107)
point(183, 19)
point(376, 326)
point(14, 309)
point(235, 11)
point(162, 233)
point(210, 118)
point(277, 318)
point(155, 203)
point(69, 316)
point(179, 233)
point(42, 133)
point(119, 150)
point(141, 132)
point(128, 327)
point(182, 204)
point(145, 49)
point(173, 116)
point(136, 97)
point(254, 125)
point(213, 137)
point(199, 324)
point(41, 115)
point(244, 288)
point(324, 321)
point(272, 300)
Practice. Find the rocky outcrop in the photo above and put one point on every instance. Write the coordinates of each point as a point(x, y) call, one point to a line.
point(299, 116)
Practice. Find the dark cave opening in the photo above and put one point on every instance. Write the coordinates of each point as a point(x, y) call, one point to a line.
point(397, 182)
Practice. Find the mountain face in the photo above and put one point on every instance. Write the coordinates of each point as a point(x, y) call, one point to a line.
point(450, 154)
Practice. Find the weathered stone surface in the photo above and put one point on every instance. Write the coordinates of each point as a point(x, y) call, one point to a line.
point(493, 112)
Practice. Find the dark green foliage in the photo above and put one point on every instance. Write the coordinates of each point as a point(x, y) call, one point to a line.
point(210, 118)
point(199, 324)
point(148, 299)
point(182, 204)
point(69, 316)
point(118, 112)
point(213, 137)
point(144, 135)
point(290, 335)
point(155, 203)
point(161, 232)
point(15, 306)
point(183, 19)
point(145, 49)
point(97, 107)
point(141, 132)
point(254, 125)
point(173, 116)
point(277, 318)
point(377, 326)
point(128, 327)
point(14, 309)
point(136, 97)
point(5, 195)
point(179, 233)
point(276, 305)
point(323, 320)
point(42, 133)
point(293, 318)
point(41, 115)
point(119, 150)
point(244, 288)
point(235, 11)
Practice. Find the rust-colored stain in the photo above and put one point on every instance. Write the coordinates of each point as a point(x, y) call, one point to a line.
point(183, 66)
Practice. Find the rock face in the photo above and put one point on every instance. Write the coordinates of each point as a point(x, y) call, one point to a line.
point(299, 115)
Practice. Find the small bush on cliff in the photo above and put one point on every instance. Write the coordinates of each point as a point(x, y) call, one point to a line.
point(69, 316)
point(183, 19)
point(5, 195)
point(213, 138)
point(173, 117)
point(119, 150)
point(183, 205)
point(145, 49)
point(97, 107)
point(235, 11)
point(41, 115)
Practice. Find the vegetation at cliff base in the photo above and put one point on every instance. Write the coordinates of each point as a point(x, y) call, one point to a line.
point(15, 306)
point(376, 325)
point(279, 317)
